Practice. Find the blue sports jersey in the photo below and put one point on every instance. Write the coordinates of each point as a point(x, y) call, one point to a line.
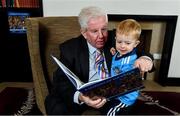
point(122, 64)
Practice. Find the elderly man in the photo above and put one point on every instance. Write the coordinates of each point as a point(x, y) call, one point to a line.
point(78, 54)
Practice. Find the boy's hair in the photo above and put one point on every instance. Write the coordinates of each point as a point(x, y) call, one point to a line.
point(129, 27)
point(90, 12)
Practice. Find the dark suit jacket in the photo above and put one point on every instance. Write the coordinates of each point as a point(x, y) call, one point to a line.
point(74, 54)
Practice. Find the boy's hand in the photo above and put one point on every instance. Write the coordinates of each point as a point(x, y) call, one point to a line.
point(144, 64)
point(113, 50)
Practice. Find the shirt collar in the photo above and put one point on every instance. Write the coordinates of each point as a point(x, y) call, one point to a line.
point(91, 48)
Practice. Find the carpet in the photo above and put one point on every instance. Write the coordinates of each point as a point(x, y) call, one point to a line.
point(157, 103)
point(19, 101)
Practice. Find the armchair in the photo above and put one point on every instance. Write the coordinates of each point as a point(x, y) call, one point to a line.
point(44, 34)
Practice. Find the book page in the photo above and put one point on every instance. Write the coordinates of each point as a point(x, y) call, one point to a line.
point(89, 84)
point(114, 86)
point(72, 77)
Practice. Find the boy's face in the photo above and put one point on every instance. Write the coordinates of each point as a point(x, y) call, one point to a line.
point(125, 44)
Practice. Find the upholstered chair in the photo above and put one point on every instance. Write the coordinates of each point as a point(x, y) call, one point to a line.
point(44, 34)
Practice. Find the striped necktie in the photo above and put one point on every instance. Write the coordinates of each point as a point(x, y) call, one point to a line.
point(99, 63)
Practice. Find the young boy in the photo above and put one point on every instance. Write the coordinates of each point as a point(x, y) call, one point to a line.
point(127, 38)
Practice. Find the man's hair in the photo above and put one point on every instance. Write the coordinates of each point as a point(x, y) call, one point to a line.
point(129, 26)
point(90, 12)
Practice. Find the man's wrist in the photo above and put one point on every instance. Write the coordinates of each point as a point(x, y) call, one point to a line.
point(76, 98)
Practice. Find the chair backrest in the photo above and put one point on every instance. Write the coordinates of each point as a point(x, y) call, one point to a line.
point(44, 35)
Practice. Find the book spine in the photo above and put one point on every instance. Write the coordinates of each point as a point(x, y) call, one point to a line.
point(9, 3)
point(20, 3)
point(32, 4)
point(17, 3)
point(23, 4)
point(0, 4)
point(37, 3)
point(4, 3)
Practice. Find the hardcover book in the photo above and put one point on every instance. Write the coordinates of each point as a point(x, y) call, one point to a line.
point(109, 87)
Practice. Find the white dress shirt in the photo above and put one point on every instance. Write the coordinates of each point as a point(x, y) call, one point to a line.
point(93, 75)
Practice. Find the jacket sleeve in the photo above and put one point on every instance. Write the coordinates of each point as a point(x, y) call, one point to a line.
point(62, 92)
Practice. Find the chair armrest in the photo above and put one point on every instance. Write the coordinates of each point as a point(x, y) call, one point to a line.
point(41, 89)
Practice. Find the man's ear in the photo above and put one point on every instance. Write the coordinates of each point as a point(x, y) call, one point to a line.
point(83, 32)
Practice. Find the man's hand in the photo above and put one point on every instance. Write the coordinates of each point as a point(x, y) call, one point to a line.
point(95, 102)
point(144, 64)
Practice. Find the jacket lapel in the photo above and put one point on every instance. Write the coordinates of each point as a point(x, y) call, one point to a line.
point(108, 57)
point(84, 60)
point(110, 43)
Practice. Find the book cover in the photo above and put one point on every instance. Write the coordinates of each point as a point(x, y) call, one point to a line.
point(16, 21)
point(3, 2)
point(109, 87)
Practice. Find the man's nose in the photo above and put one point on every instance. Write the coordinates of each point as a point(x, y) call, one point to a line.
point(100, 34)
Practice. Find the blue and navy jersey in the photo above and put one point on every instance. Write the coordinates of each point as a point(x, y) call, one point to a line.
point(122, 64)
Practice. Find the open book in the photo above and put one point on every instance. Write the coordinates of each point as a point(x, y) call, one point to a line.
point(109, 87)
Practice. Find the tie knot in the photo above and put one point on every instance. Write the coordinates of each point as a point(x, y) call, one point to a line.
point(99, 57)
point(98, 52)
